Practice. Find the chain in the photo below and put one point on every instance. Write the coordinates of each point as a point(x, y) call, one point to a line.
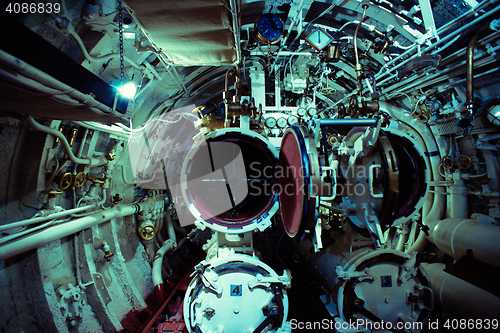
point(269, 57)
point(120, 31)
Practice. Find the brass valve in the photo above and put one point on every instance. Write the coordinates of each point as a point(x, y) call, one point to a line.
point(65, 181)
point(110, 156)
point(79, 179)
point(147, 231)
point(447, 162)
point(464, 162)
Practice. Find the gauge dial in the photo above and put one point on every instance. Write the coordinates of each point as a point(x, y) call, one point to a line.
point(319, 39)
point(269, 28)
point(312, 112)
point(301, 112)
point(270, 122)
point(282, 122)
point(292, 120)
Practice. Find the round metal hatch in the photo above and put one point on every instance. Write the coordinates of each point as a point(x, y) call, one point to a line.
point(294, 179)
point(228, 182)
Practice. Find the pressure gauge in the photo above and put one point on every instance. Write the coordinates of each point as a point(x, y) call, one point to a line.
point(319, 39)
point(270, 122)
point(312, 112)
point(269, 28)
point(301, 112)
point(292, 120)
point(282, 122)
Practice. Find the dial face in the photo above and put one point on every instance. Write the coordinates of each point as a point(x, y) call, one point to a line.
point(269, 28)
point(301, 112)
point(270, 122)
point(292, 120)
point(282, 122)
point(319, 39)
point(312, 112)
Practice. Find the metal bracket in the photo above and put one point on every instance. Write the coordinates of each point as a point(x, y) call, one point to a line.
point(409, 268)
point(373, 225)
point(352, 274)
point(101, 287)
point(209, 278)
point(261, 281)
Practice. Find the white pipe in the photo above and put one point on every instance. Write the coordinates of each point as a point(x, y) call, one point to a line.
point(463, 16)
point(113, 130)
point(42, 77)
point(30, 84)
point(57, 232)
point(170, 227)
point(98, 59)
point(54, 216)
point(7, 239)
point(454, 236)
point(168, 246)
point(458, 197)
point(441, 41)
point(67, 149)
point(460, 298)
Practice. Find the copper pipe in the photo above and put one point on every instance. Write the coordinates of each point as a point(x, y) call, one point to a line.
point(470, 68)
point(358, 68)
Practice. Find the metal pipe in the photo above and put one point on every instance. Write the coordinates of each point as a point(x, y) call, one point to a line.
point(170, 227)
point(57, 232)
point(67, 149)
point(62, 89)
point(472, 11)
point(113, 130)
point(429, 48)
point(168, 246)
point(104, 58)
point(54, 216)
point(346, 123)
point(470, 105)
point(454, 236)
point(460, 298)
point(358, 65)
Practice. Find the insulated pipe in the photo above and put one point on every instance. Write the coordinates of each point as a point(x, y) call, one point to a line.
point(67, 149)
point(63, 230)
point(460, 298)
point(168, 246)
point(455, 236)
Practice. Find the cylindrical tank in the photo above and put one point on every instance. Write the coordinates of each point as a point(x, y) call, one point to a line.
point(459, 297)
point(455, 236)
